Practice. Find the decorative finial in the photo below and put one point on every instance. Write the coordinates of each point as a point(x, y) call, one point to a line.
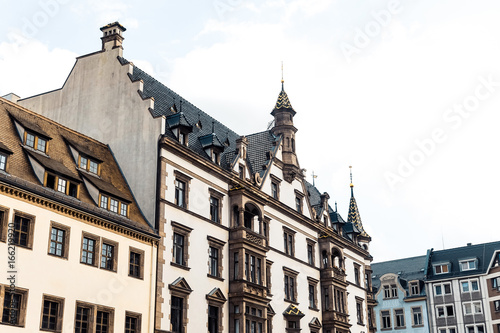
point(213, 126)
point(335, 206)
point(282, 80)
point(180, 106)
point(314, 177)
point(350, 171)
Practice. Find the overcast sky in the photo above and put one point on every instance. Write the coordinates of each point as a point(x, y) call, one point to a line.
point(407, 92)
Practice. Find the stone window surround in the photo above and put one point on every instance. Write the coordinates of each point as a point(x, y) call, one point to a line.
point(184, 231)
point(93, 314)
point(141, 264)
point(96, 252)
point(413, 283)
point(31, 231)
point(395, 318)
point(289, 232)
point(413, 317)
point(4, 223)
point(219, 196)
point(359, 301)
point(218, 303)
point(382, 322)
point(218, 244)
point(115, 254)
point(290, 273)
point(299, 195)
point(313, 282)
point(184, 294)
point(24, 302)
point(66, 230)
point(276, 181)
point(313, 245)
point(186, 180)
point(60, 312)
point(137, 316)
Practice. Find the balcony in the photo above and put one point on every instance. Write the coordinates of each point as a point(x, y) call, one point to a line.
point(333, 273)
point(245, 234)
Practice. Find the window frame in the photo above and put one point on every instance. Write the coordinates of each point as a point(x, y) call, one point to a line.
point(114, 258)
point(385, 320)
point(89, 161)
point(67, 186)
point(275, 181)
point(136, 316)
point(36, 138)
point(468, 262)
point(473, 308)
point(23, 293)
point(314, 284)
point(443, 288)
point(289, 241)
point(183, 178)
point(60, 312)
point(469, 283)
point(219, 246)
point(445, 310)
point(94, 309)
point(119, 204)
point(414, 288)
point(184, 231)
point(311, 254)
point(419, 315)
point(66, 239)
point(141, 253)
point(96, 252)
point(398, 317)
point(359, 311)
point(31, 228)
point(3, 161)
point(441, 266)
point(290, 285)
point(213, 194)
point(4, 218)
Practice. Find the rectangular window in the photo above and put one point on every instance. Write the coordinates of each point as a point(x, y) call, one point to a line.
point(103, 322)
point(213, 268)
point(290, 288)
point(61, 185)
point(474, 329)
point(442, 289)
point(113, 205)
point(414, 288)
point(30, 140)
point(93, 167)
point(52, 313)
point(274, 190)
point(310, 254)
point(298, 204)
point(178, 249)
point(57, 238)
point(108, 256)
point(417, 316)
point(259, 271)
point(441, 269)
point(468, 265)
point(496, 305)
point(41, 144)
point(399, 318)
point(495, 284)
point(176, 314)
point(89, 248)
point(390, 291)
point(3, 161)
point(356, 275)
point(22, 231)
point(180, 193)
point(123, 209)
point(469, 286)
point(132, 322)
point(12, 304)
point(472, 308)
point(83, 162)
point(136, 263)
point(288, 241)
point(214, 209)
point(104, 202)
point(213, 319)
point(444, 311)
point(236, 266)
point(312, 293)
point(386, 319)
point(83, 319)
point(359, 312)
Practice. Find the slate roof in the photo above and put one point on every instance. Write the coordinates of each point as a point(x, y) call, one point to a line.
point(60, 160)
point(482, 252)
point(354, 217)
point(408, 268)
point(292, 310)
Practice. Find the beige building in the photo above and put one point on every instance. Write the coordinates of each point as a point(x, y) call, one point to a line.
point(248, 245)
point(77, 253)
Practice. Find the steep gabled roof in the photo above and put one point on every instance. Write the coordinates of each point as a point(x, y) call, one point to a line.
point(354, 217)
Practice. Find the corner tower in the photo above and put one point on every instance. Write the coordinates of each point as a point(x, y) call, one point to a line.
point(283, 113)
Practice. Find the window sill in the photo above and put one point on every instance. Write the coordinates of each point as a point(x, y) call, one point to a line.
point(56, 256)
point(180, 266)
point(400, 328)
point(314, 309)
point(291, 301)
point(421, 325)
point(9, 324)
point(90, 265)
point(215, 277)
point(136, 277)
point(386, 329)
point(109, 270)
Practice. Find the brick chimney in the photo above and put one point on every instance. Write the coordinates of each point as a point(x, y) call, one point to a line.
point(112, 36)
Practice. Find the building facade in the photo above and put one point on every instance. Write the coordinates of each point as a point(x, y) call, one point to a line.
point(247, 244)
point(73, 240)
point(399, 289)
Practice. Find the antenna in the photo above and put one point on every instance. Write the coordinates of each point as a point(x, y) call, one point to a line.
point(314, 177)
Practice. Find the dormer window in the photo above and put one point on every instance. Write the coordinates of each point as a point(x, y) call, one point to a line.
point(89, 164)
point(34, 141)
point(61, 184)
point(113, 205)
point(3, 161)
point(441, 268)
point(468, 265)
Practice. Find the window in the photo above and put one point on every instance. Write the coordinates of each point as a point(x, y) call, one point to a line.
point(356, 274)
point(241, 169)
point(339, 300)
point(213, 267)
point(61, 184)
point(90, 246)
point(103, 321)
point(495, 283)
point(474, 329)
point(29, 140)
point(113, 205)
point(399, 318)
point(4, 214)
point(253, 268)
point(13, 305)
point(469, 286)
point(59, 240)
point(132, 322)
point(442, 289)
point(109, 255)
point(23, 230)
point(213, 319)
point(414, 288)
point(236, 268)
point(3, 161)
point(288, 241)
point(472, 308)
point(496, 305)
point(416, 314)
point(89, 164)
point(468, 265)
point(290, 277)
point(180, 244)
point(310, 253)
point(390, 291)
point(36, 142)
point(214, 209)
point(359, 312)
point(274, 190)
point(180, 193)
point(52, 313)
point(386, 319)
point(123, 209)
point(447, 330)
point(298, 204)
point(444, 311)
point(98, 319)
point(104, 201)
point(441, 268)
point(176, 314)
point(312, 293)
point(83, 319)
point(136, 263)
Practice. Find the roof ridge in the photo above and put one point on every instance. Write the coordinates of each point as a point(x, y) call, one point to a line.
point(53, 122)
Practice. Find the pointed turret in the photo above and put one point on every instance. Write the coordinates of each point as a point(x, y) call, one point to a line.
point(353, 216)
point(283, 113)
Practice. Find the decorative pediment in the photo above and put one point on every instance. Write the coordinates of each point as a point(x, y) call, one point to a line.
point(270, 310)
point(216, 295)
point(315, 323)
point(180, 285)
point(293, 311)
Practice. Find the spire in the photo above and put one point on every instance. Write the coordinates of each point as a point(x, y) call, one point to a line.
point(353, 216)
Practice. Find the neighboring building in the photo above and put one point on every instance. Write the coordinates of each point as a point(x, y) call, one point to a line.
point(77, 254)
point(247, 244)
point(400, 293)
point(493, 287)
point(461, 296)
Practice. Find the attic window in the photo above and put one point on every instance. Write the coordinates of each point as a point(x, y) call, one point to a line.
point(441, 268)
point(34, 141)
point(3, 161)
point(89, 164)
point(61, 184)
point(113, 205)
point(468, 265)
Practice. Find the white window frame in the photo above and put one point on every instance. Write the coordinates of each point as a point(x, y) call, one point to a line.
point(475, 328)
point(445, 306)
point(441, 265)
point(461, 263)
point(469, 284)
point(447, 329)
point(474, 307)
point(443, 291)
